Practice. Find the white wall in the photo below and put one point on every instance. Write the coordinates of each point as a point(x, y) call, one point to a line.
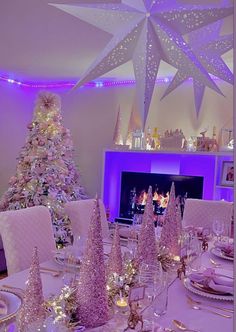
point(90, 114)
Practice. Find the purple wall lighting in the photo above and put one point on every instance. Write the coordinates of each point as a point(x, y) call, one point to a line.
point(178, 163)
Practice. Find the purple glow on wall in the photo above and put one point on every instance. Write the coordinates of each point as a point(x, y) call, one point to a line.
point(160, 162)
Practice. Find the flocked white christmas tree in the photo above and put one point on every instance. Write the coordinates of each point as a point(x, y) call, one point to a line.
point(46, 173)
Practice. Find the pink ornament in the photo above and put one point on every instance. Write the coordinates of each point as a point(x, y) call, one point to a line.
point(27, 159)
point(12, 180)
point(16, 197)
point(30, 126)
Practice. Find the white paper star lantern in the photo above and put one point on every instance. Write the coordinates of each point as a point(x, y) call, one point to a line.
point(208, 46)
point(146, 32)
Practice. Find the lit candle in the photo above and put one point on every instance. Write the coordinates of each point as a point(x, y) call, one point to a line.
point(176, 258)
point(121, 302)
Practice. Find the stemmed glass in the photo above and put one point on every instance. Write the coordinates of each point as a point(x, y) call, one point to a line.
point(151, 276)
point(218, 228)
point(133, 235)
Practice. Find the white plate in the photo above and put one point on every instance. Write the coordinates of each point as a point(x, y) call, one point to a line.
point(189, 286)
point(13, 301)
point(218, 253)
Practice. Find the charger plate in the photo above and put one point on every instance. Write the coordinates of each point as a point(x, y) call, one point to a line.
point(210, 293)
point(219, 253)
point(13, 301)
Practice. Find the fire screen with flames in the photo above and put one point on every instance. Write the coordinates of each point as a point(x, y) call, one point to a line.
point(134, 187)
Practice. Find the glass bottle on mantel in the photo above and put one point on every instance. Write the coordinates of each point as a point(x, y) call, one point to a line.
point(148, 139)
point(155, 139)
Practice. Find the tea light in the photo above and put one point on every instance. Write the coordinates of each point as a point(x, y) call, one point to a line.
point(176, 258)
point(121, 302)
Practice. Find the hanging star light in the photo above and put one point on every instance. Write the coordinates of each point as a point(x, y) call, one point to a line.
point(146, 32)
point(208, 47)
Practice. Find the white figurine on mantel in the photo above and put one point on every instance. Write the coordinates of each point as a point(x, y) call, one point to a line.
point(226, 139)
point(138, 140)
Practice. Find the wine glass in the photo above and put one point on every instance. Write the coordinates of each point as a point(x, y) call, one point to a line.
point(151, 276)
point(161, 298)
point(218, 228)
point(78, 245)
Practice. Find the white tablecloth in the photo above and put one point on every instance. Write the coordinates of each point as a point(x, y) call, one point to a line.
point(178, 307)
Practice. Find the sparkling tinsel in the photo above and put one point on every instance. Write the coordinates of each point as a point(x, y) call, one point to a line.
point(114, 264)
point(32, 308)
point(171, 229)
point(92, 293)
point(147, 250)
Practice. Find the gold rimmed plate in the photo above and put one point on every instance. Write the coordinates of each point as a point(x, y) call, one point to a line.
point(206, 292)
point(207, 289)
point(219, 253)
point(13, 301)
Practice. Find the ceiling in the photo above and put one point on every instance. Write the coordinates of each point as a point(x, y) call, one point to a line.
point(42, 43)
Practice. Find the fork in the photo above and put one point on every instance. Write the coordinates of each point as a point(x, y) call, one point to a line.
point(54, 273)
point(198, 307)
point(214, 263)
point(208, 305)
point(211, 311)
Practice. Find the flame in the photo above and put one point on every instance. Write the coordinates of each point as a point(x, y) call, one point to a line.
point(162, 200)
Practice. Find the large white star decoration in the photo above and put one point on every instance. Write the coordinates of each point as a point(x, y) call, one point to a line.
point(208, 47)
point(146, 32)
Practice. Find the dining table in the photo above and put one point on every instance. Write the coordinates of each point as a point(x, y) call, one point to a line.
point(212, 315)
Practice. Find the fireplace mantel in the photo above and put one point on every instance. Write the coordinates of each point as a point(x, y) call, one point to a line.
point(206, 164)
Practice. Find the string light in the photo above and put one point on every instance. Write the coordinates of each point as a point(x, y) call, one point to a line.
point(70, 84)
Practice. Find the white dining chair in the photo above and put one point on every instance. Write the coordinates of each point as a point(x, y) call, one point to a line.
point(202, 213)
point(80, 213)
point(22, 230)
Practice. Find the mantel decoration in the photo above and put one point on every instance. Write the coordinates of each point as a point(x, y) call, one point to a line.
point(46, 173)
point(205, 143)
point(150, 31)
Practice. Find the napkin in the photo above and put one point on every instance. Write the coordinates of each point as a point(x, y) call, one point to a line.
point(227, 248)
point(3, 306)
point(217, 282)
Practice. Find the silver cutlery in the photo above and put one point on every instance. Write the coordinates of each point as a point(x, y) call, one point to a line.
point(208, 305)
point(181, 326)
point(195, 307)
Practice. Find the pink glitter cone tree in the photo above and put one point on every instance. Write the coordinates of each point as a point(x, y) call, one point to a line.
point(172, 225)
point(114, 264)
point(92, 294)
point(32, 306)
point(46, 173)
point(147, 249)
